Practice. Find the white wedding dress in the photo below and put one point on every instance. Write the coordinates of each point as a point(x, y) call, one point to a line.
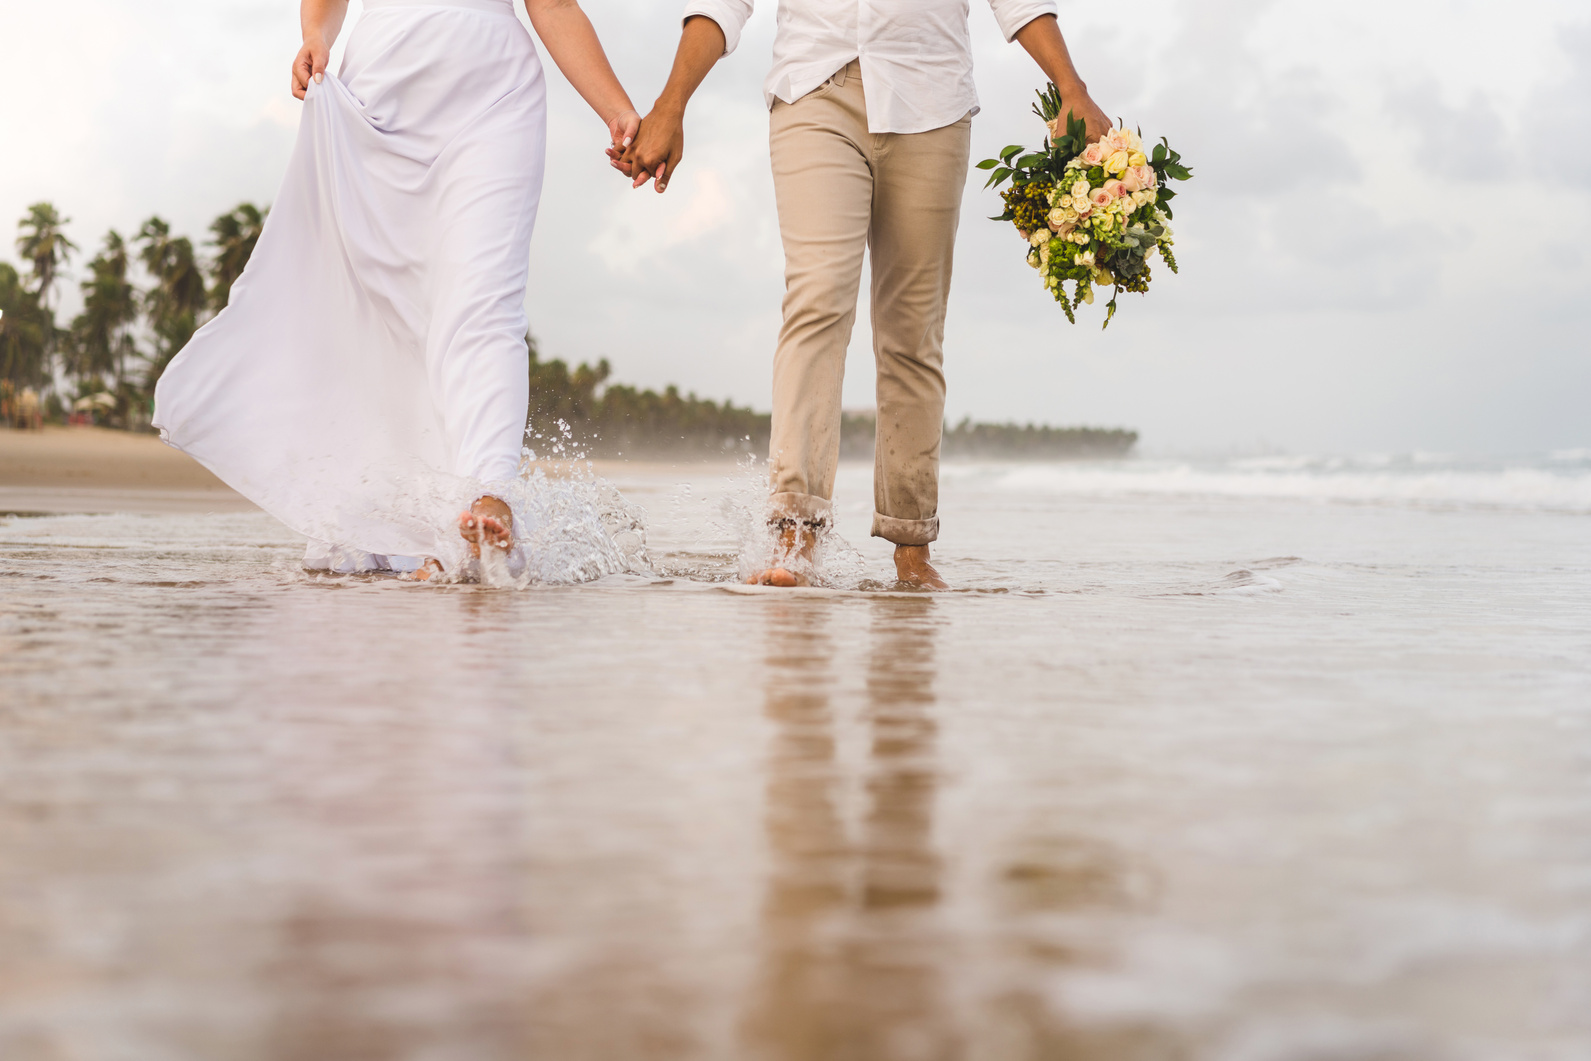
point(369, 378)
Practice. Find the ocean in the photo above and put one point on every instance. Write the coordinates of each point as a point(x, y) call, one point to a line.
point(1238, 759)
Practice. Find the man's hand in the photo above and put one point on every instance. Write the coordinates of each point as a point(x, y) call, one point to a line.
point(657, 150)
point(1042, 39)
point(1082, 105)
point(310, 64)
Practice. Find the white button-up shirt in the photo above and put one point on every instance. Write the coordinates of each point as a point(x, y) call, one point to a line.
point(916, 54)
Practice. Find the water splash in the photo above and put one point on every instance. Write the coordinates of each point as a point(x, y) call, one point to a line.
point(730, 539)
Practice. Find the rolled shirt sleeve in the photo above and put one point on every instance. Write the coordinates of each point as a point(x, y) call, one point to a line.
point(1011, 14)
point(731, 16)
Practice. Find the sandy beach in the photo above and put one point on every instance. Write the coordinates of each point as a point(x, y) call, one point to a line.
point(96, 469)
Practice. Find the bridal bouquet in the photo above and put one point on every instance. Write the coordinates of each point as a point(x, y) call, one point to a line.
point(1090, 213)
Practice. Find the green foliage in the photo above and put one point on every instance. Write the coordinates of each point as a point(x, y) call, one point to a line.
point(974, 441)
point(101, 339)
point(177, 299)
point(41, 242)
point(25, 330)
point(236, 233)
point(1046, 165)
point(568, 416)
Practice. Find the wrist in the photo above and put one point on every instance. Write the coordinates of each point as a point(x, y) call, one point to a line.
point(669, 106)
point(1070, 90)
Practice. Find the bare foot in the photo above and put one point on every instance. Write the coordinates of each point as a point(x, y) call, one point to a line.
point(912, 567)
point(424, 573)
point(489, 522)
point(796, 541)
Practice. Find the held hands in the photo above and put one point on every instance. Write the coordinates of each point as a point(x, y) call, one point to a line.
point(310, 64)
point(656, 152)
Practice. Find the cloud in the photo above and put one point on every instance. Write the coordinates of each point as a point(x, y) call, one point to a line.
point(1382, 244)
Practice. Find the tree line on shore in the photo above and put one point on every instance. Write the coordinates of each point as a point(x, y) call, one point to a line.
point(577, 411)
point(144, 297)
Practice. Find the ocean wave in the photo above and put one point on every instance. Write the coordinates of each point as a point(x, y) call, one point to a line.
point(1343, 480)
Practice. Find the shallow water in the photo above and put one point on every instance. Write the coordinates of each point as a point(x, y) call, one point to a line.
point(1243, 761)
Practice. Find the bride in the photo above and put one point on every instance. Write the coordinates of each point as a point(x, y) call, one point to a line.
point(370, 374)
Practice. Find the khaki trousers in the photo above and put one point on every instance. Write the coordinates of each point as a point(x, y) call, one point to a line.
point(842, 190)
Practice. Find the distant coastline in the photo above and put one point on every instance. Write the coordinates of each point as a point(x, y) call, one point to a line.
point(578, 411)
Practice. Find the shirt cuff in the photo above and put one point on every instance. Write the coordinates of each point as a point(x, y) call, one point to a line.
point(1014, 14)
point(731, 16)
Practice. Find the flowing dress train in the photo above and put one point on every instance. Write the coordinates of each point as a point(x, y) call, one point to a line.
point(369, 377)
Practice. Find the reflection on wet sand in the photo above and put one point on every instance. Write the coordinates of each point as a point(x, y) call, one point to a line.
point(852, 950)
point(401, 929)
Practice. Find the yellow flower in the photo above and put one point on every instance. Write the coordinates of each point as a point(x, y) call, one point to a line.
point(1116, 163)
point(1137, 159)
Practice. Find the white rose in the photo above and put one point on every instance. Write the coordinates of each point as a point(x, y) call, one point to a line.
point(1086, 258)
point(1080, 190)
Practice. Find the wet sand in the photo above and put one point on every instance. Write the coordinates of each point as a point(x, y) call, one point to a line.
point(96, 469)
point(1173, 777)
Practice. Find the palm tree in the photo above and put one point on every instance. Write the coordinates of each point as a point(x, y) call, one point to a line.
point(235, 233)
point(42, 242)
point(101, 334)
point(177, 299)
point(25, 330)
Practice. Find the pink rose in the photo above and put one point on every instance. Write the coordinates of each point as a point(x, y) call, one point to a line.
point(1131, 181)
point(1116, 188)
point(1093, 155)
point(1100, 197)
point(1145, 175)
point(1115, 141)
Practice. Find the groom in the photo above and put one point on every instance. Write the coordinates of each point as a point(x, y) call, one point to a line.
point(870, 129)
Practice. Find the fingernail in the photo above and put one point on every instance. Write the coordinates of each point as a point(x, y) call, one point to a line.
point(627, 140)
point(319, 78)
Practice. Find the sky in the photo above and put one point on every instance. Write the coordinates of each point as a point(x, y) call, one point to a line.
point(1386, 246)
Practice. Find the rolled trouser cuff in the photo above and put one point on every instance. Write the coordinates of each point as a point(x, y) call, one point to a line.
point(805, 508)
point(905, 531)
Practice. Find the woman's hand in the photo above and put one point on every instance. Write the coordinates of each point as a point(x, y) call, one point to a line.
point(622, 130)
point(310, 64)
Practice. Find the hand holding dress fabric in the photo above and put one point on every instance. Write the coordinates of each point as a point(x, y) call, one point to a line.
point(309, 65)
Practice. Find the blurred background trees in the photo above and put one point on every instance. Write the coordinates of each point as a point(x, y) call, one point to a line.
point(142, 301)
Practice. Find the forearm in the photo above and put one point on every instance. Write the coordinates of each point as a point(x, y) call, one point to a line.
point(1043, 41)
point(701, 44)
point(572, 42)
point(322, 20)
